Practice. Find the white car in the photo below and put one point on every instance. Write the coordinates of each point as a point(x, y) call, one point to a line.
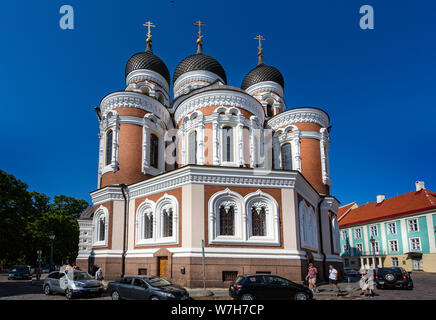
point(72, 283)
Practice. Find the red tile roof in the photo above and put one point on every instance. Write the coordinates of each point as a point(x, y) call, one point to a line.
point(411, 202)
point(344, 209)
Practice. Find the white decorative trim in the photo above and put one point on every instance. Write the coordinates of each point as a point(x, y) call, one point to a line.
point(127, 99)
point(299, 115)
point(325, 163)
point(141, 75)
point(219, 98)
point(193, 80)
point(101, 213)
point(265, 86)
point(308, 226)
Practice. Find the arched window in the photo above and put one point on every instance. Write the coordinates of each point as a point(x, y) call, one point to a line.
point(269, 109)
point(101, 228)
point(167, 222)
point(109, 141)
point(227, 224)
point(192, 145)
point(148, 225)
point(154, 151)
point(258, 227)
point(227, 144)
point(286, 156)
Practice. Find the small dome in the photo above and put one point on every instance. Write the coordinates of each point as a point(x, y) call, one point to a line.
point(199, 61)
point(261, 73)
point(147, 60)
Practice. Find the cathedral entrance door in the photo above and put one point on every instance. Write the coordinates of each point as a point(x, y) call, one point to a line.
point(163, 267)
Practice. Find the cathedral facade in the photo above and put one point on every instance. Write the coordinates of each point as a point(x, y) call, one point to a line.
point(224, 170)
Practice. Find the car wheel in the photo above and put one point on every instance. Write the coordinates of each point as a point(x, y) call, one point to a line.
point(154, 298)
point(47, 290)
point(301, 296)
point(69, 294)
point(115, 295)
point(247, 296)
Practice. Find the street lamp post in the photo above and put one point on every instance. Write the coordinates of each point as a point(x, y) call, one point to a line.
point(52, 237)
point(372, 240)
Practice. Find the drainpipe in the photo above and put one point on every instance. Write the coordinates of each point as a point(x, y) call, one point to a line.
point(123, 257)
point(320, 238)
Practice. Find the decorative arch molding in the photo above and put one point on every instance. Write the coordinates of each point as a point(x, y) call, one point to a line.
point(288, 135)
point(241, 207)
point(100, 228)
point(153, 78)
point(109, 121)
point(308, 226)
point(311, 115)
point(193, 80)
point(153, 125)
point(260, 201)
point(126, 99)
point(218, 98)
point(148, 208)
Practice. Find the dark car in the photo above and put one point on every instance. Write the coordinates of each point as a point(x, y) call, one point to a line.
point(19, 272)
point(268, 287)
point(145, 288)
point(393, 277)
point(348, 272)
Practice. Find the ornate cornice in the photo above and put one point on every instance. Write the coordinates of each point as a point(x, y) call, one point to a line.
point(299, 115)
point(143, 74)
point(127, 99)
point(193, 76)
point(219, 98)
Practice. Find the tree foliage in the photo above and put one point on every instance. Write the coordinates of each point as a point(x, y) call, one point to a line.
point(27, 218)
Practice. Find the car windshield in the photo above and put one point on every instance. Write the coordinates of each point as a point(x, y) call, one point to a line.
point(82, 276)
point(158, 282)
point(19, 269)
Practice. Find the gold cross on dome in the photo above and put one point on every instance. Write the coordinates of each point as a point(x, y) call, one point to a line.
point(260, 38)
point(199, 24)
point(149, 25)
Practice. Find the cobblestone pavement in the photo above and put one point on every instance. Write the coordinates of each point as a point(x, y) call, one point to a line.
point(424, 289)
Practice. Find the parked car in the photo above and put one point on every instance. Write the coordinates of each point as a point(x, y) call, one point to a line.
point(268, 287)
point(19, 272)
point(145, 288)
point(393, 277)
point(72, 283)
point(348, 272)
point(46, 269)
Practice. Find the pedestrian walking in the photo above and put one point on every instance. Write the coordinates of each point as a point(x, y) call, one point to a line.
point(363, 281)
point(99, 274)
point(311, 277)
point(370, 283)
point(333, 278)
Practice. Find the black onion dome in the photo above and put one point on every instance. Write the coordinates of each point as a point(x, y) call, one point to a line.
point(261, 73)
point(147, 60)
point(199, 61)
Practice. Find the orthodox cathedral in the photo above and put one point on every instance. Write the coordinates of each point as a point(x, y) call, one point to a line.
point(224, 170)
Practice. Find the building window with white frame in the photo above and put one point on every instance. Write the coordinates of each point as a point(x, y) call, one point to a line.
point(192, 147)
point(286, 156)
point(167, 222)
point(373, 231)
point(358, 233)
point(109, 143)
point(344, 235)
point(412, 225)
point(258, 227)
point(415, 244)
point(227, 221)
point(154, 151)
point(101, 222)
point(392, 228)
point(227, 150)
point(346, 248)
point(394, 262)
point(375, 247)
point(359, 248)
point(393, 245)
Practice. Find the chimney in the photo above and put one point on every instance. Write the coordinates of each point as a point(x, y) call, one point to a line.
point(419, 185)
point(380, 198)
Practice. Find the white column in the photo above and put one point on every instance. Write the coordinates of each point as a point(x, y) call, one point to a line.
point(114, 163)
point(383, 238)
point(162, 153)
point(145, 146)
point(276, 150)
point(296, 165)
point(324, 156)
point(241, 142)
point(100, 157)
point(216, 144)
point(430, 232)
point(404, 239)
point(200, 152)
point(182, 136)
point(252, 155)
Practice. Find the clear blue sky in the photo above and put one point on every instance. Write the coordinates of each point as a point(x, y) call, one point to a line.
point(377, 86)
